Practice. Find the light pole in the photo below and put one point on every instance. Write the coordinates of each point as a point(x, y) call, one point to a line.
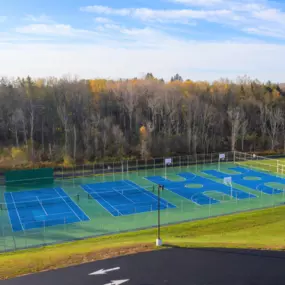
point(158, 240)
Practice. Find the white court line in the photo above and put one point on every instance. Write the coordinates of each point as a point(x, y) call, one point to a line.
point(9, 215)
point(17, 211)
point(147, 194)
point(53, 214)
point(67, 204)
point(42, 206)
point(105, 201)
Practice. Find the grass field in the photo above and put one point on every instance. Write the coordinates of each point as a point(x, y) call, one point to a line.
point(261, 229)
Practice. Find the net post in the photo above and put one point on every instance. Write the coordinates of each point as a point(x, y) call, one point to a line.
point(234, 157)
point(196, 162)
point(137, 165)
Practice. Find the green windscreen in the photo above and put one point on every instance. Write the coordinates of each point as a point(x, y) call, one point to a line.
point(33, 176)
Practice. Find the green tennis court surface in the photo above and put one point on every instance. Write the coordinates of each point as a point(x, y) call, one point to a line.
point(127, 200)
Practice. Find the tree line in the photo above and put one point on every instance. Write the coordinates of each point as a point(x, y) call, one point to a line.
point(85, 120)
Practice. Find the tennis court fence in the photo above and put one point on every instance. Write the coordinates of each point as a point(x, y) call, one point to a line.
point(251, 160)
point(114, 167)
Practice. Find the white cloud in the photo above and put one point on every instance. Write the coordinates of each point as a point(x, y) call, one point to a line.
point(103, 20)
point(241, 14)
point(185, 16)
point(264, 31)
point(270, 15)
point(105, 10)
point(38, 19)
point(200, 2)
point(195, 60)
point(148, 14)
point(53, 30)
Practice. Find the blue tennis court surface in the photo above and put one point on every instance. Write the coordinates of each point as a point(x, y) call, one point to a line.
point(124, 197)
point(259, 184)
point(196, 192)
point(41, 208)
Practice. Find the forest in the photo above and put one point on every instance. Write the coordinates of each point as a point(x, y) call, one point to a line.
point(70, 120)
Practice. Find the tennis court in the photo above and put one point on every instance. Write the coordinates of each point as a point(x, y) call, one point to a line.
point(197, 188)
point(124, 197)
point(253, 179)
point(41, 208)
point(114, 197)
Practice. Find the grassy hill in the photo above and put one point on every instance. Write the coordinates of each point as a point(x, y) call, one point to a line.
point(262, 229)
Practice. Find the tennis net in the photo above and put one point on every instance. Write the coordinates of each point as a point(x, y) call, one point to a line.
point(119, 192)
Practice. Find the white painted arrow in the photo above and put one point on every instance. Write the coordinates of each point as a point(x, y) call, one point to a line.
point(118, 282)
point(104, 271)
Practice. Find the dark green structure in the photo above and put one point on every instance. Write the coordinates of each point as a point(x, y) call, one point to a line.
point(30, 176)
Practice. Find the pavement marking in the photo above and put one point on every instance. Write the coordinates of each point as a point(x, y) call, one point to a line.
point(104, 271)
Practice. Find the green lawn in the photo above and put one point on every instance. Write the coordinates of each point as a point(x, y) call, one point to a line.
point(262, 229)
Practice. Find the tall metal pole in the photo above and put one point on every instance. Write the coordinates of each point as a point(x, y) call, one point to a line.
point(158, 214)
point(158, 240)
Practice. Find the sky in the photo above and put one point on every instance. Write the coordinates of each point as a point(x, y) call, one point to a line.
point(198, 39)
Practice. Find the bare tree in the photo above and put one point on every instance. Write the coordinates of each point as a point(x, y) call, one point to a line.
point(275, 119)
point(235, 118)
point(243, 132)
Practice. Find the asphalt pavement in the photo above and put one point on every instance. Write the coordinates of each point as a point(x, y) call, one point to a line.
point(174, 266)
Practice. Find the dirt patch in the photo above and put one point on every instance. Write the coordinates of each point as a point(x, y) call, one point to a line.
point(76, 259)
point(104, 254)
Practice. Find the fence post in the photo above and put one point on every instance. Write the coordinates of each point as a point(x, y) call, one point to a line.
point(103, 171)
point(113, 171)
point(187, 161)
point(210, 208)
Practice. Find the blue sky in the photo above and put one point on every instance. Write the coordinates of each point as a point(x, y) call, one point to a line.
point(199, 39)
